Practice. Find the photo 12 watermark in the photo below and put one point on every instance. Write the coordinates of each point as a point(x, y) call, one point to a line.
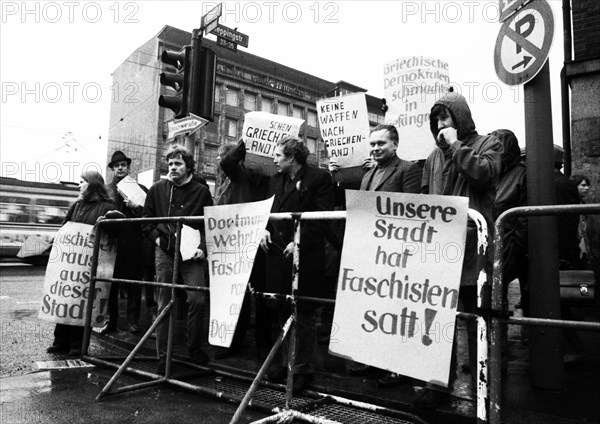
point(53, 12)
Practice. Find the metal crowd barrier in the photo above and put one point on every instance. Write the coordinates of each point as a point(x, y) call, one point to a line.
point(288, 329)
point(499, 318)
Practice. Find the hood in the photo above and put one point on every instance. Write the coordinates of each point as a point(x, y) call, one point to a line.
point(461, 115)
point(512, 152)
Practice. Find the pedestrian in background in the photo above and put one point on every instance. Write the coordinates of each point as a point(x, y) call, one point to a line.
point(93, 202)
point(297, 187)
point(467, 164)
point(129, 264)
point(583, 187)
point(178, 195)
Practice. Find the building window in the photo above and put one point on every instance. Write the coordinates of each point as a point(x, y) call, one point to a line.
point(311, 143)
point(312, 118)
point(265, 105)
point(283, 109)
point(231, 128)
point(298, 112)
point(232, 97)
point(249, 101)
point(218, 93)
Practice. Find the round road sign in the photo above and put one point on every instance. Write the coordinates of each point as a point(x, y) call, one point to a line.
point(523, 43)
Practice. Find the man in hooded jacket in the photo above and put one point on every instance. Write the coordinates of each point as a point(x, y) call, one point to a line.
point(464, 163)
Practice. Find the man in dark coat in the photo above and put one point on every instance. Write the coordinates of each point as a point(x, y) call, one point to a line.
point(391, 173)
point(129, 264)
point(467, 164)
point(297, 187)
point(511, 193)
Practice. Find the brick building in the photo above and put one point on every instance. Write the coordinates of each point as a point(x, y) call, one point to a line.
point(245, 83)
point(583, 75)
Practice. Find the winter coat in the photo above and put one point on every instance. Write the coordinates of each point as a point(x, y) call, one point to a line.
point(310, 190)
point(400, 176)
point(469, 168)
point(165, 199)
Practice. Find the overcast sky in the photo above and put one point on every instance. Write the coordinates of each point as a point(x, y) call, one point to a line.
point(57, 57)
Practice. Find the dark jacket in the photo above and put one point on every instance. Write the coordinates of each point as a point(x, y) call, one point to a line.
point(166, 200)
point(400, 176)
point(240, 186)
point(469, 168)
point(130, 240)
point(88, 212)
point(567, 225)
point(310, 190)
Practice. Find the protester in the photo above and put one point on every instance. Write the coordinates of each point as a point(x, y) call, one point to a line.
point(583, 187)
point(237, 184)
point(467, 164)
point(129, 264)
point(93, 202)
point(390, 174)
point(510, 193)
point(297, 187)
point(178, 195)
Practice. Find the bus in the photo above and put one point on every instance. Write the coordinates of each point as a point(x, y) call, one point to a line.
point(31, 208)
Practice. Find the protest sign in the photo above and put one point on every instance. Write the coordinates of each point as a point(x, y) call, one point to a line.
point(130, 190)
point(344, 124)
point(398, 288)
point(233, 234)
point(263, 130)
point(411, 87)
point(68, 275)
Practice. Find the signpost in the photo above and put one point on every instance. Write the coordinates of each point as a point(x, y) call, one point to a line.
point(190, 124)
point(523, 43)
point(229, 45)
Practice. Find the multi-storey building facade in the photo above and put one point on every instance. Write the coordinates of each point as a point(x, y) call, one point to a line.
point(244, 83)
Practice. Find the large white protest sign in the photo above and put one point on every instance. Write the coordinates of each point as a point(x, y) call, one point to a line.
point(68, 276)
point(398, 288)
point(263, 130)
point(411, 87)
point(233, 234)
point(344, 124)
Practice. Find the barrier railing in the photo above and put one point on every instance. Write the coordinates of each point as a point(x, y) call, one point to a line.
point(287, 330)
point(499, 315)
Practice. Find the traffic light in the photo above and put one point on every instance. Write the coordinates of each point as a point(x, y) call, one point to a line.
point(178, 81)
point(202, 90)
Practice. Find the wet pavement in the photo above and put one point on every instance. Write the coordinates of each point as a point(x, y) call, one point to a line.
point(68, 395)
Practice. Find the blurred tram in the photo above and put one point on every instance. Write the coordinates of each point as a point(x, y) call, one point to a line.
point(31, 208)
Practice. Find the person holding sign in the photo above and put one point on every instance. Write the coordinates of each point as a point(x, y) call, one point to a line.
point(130, 258)
point(467, 164)
point(297, 187)
point(180, 194)
point(391, 173)
point(93, 203)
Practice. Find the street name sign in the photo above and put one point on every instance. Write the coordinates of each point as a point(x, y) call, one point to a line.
point(189, 124)
point(231, 35)
point(523, 43)
point(211, 19)
point(509, 7)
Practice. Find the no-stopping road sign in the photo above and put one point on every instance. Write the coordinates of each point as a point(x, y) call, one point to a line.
point(523, 43)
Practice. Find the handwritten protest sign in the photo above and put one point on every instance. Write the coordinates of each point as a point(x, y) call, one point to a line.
point(398, 288)
point(411, 87)
point(67, 281)
point(344, 124)
point(233, 234)
point(262, 130)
